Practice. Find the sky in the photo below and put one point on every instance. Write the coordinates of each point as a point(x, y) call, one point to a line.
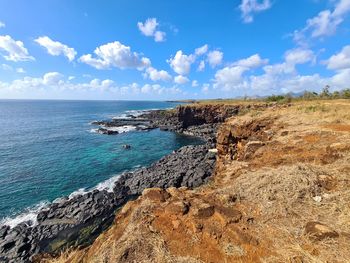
point(172, 49)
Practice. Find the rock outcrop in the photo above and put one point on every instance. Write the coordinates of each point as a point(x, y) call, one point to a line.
point(280, 193)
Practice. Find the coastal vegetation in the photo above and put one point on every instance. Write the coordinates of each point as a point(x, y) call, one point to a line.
point(279, 193)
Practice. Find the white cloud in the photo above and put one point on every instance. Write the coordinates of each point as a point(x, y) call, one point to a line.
point(117, 55)
point(324, 24)
point(54, 81)
point(215, 58)
point(2, 24)
point(56, 48)
point(249, 7)
point(15, 50)
point(341, 79)
point(299, 56)
point(53, 78)
point(229, 77)
point(149, 29)
point(20, 70)
point(292, 58)
point(340, 60)
point(253, 61)
point(201, 66)
point(194, 83)
point(156, 75)
point(181, 63)
point(201, 50)
point(280, 77)
point(181, 80)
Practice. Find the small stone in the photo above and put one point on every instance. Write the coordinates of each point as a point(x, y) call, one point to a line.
point(319, 231)
point(284, 133)
point(317, 198)
point(204, 211)
point(251, 147)
point(156, 194)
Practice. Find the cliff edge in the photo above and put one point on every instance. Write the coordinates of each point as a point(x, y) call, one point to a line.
point(280, 193)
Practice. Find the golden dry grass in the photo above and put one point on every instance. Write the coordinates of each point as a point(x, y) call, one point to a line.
point(300, 174)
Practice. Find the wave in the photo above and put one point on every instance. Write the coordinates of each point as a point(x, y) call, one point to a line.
point(129, 114)
point(28, 215)
point(120, 129)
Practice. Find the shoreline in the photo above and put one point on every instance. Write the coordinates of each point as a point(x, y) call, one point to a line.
point(60, 223)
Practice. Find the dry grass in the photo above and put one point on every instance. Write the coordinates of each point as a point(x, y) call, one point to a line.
point(301, 174)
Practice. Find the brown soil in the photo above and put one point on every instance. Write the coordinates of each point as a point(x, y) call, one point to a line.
point(281, 193)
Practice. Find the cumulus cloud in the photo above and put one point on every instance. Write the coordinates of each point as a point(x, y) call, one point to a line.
point(181, 63)
point(194, 83)
point(324, 24)
point(117, 55)
point(55, 81)
point(229, 78)
point(181, 80)
point(215, 58)
point(250, 7)
point(201, 66)
point(280, 77)
point(201, 50)
point(14, 50)
point(56, 48)
point(156, 75)
point(2, 24)
point(20, 70)
point(340, 60)
point(299, 56)
point(149, 29)
point(253, 61)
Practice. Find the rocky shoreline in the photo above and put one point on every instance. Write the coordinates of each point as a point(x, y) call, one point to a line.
point(77, 221)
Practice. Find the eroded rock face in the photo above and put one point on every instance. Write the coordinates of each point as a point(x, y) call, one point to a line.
point(79, 220)
point(239, 140)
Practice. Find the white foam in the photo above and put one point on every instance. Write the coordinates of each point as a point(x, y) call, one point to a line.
point(108, 184)
point(80, 191)
point(134, 113)
point(29, 215)
point(120, 129)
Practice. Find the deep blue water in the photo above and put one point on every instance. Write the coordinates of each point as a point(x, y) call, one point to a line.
point(47, 150)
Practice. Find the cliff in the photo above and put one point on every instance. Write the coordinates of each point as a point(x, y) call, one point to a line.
point(280, 193)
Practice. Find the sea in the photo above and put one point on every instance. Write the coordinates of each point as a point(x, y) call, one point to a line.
point(49, 149)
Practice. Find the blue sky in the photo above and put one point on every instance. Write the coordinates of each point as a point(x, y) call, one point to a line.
point(165, 49)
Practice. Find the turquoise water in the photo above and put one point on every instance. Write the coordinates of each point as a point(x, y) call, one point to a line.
point(47, 149)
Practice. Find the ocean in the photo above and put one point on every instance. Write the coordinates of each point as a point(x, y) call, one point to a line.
point(48, 150)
